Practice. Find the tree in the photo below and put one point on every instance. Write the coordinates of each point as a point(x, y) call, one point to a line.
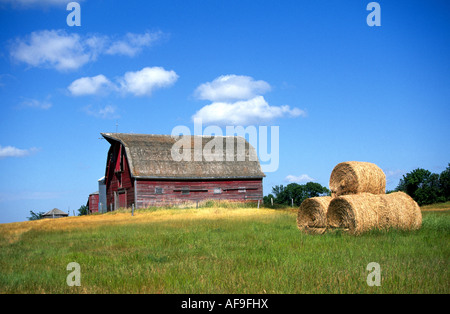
point(428, 192)
point(298, 192)
point(267, 199)
point(278, 190)
point(315, 189)
point(423, 186)
point(444, 183)
point(83, 210)
point(35, 216)
point(413, 181)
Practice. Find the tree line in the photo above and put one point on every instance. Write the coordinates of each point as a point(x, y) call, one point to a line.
point(294, 194)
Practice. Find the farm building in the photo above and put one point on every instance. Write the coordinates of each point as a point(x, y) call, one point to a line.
point(102, 195)
point(55, 213)
point(93, 202)
point(145, 170)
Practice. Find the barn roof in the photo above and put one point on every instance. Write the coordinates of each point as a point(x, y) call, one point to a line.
point(150, 157)
point(55, 212)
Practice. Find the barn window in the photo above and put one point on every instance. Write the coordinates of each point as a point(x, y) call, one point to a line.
point(241, 190)
point(217, 191)
point(158, 191)
point(185, 191)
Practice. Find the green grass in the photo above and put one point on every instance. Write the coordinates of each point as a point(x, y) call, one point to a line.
point(223, 254)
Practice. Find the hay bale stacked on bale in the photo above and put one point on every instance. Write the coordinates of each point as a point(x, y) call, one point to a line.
point(354, 177)
point(312, 215)
point(358, 203)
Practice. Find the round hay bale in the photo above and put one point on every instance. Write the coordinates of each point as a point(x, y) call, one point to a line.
point(365, 211)
point(409, 213)
point(353, 177)
point(312, 215)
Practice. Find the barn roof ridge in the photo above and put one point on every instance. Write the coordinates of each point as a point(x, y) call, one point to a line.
point(54, 211)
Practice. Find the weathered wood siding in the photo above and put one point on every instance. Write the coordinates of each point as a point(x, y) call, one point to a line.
point(93, 203)
point(171, 192)
point(119, 184)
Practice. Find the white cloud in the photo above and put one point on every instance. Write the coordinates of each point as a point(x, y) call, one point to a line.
point(90, 85)
point(243, 112)
point(394, 173)
point(34, 103)
point(231, 87)
point(393, 176)
point(132, 44)
point(143, 82)
point(62, 51)
point(53, 49)
point(139, 83)
point(303, 178)
point(237, 99)
point(10, 151)
point(106, 112)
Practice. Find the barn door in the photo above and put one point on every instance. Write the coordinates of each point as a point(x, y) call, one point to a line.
point(123, 200)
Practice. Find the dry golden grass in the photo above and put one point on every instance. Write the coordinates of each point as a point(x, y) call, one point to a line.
point(13, 231)
point(436, 207)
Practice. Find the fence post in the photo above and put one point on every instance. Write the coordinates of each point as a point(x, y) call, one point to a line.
point(132, 209)
point(258, 204)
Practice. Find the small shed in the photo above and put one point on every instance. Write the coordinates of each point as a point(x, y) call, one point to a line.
point(55, 213)
point(93, 202)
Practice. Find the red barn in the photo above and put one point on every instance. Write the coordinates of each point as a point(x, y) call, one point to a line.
point(156, 170)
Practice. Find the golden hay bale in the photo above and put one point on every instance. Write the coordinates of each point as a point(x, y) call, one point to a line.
point(312, 215)
point(353, 177)
point(363, 212)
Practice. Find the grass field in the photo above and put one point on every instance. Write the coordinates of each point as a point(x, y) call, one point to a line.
point(219, 250)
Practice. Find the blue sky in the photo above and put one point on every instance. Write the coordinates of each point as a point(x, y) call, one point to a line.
point(338, 89)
